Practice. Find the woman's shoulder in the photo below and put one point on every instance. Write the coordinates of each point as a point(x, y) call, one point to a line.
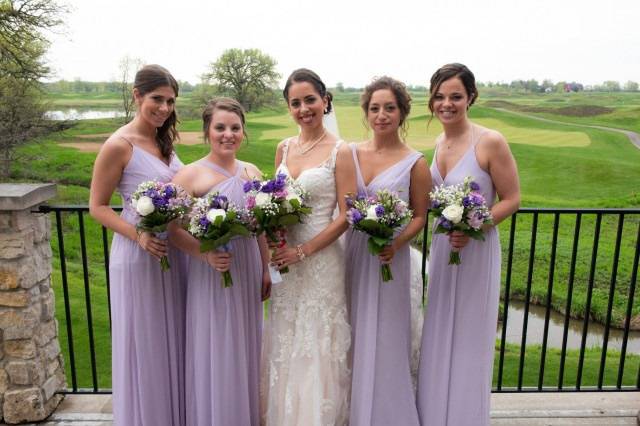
point(253, 171)
point(490, 137)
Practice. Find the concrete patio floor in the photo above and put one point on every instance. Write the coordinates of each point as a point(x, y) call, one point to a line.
point(516, 409)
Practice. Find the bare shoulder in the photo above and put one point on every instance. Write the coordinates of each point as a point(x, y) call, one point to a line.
point(115, 150)
point(253, 172)
point(493, 139)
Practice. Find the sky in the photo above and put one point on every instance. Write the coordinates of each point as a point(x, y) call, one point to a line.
point(352, 41)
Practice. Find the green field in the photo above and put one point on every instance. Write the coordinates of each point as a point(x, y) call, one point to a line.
point(559, 166)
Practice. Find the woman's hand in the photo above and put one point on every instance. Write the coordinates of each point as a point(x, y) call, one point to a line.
point(284, 256)
point(266, 285)
point(387, 253)
point(219, 260)
point(152, 245)
point(458, 240)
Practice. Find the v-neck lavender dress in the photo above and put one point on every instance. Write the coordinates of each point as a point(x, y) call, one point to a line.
point(382, 390)
point(224, 327)
point(147, 313)
point(456, 360)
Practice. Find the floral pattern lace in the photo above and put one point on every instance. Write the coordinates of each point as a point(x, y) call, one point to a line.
point(305, 368)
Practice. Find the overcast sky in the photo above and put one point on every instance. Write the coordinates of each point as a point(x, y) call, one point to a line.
point(351, 41)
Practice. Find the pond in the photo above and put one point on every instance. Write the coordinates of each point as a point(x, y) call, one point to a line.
point(82, 114)
point(535, 330)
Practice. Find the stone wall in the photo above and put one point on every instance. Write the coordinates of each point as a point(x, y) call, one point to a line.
point(31, 364)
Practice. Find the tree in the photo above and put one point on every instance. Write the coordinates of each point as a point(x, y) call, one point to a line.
point(128, 68)
point(22, 42)
point(611, 86)
point(22, 65)
point(248, 75)
point(631, 86)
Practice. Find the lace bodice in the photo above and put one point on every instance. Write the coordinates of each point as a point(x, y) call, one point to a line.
point(320, 183)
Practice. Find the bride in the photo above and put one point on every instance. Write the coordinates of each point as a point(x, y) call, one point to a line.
point(305, 370)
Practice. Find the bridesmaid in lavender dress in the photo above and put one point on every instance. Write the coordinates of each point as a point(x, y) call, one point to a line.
point(147, 305)
point(454, 380)
point(224, 325)
point(382, 389)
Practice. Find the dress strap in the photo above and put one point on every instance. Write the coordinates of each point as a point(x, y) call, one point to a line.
point(334, 153)
point(356, 161)
point(476, 135)
point(215, 167)
point(127, 141)
point(285, 151)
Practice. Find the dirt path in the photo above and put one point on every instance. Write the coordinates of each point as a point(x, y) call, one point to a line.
point(634, 137)
point(92, 143)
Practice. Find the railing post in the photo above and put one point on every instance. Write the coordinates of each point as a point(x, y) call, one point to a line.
point(31, 364)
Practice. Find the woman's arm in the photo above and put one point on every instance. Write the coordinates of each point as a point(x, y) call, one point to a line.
point(504, 173)
point(418, 201)
point(345, 184)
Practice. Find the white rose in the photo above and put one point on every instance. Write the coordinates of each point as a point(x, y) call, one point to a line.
point(293, 196)
point(215, 213)
point(453, 213)
point(145, 206)
point(263, 199)
point(371, 213)
point(134, 202)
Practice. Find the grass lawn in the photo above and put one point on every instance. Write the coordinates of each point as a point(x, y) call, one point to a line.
point(559, 166)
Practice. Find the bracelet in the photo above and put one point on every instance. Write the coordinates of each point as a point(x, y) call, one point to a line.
point(138, 235)
point(300, 253)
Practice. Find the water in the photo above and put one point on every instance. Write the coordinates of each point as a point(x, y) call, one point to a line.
point(535, 330)
point(82, 114)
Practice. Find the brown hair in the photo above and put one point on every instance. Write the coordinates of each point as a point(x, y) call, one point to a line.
point(148, 79)
point(306, 75)
point(449, 71)
point(399, 90)
point(224, 104)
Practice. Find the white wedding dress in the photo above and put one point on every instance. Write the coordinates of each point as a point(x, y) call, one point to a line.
point(305, 368)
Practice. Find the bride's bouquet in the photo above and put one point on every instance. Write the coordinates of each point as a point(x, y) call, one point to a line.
point(214, 221)
point(378, 216)
point(157, 204)
point(276, 204)
point(460, 208)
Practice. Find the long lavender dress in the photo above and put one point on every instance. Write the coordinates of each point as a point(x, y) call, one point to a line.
point(147, 313)
point(224, 328)
point(456, 360)
point(382, 390)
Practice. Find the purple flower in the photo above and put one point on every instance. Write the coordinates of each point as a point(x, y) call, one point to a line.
point(269, 187)
point(435, 204)
point(256, 185)
point(349, 202)
point(379, 211)
point(248, 185)
point(446, 224)
point(474, 186)
point(476, 199)
point(169, 191)
point(280, 182)
point(204, 222)
point(354, 216)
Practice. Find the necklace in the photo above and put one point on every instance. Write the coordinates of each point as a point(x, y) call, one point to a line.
point(310, 145)
point(448, 145)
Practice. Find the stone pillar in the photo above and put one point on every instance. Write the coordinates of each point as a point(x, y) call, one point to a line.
point(31, 364)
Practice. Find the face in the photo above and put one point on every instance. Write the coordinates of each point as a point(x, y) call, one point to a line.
point(225, 132)
point(451, 101)
point(156, 106)
point(383, 114)
point(306, 106)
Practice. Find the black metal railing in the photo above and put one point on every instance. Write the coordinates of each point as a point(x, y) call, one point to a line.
point(580, 264)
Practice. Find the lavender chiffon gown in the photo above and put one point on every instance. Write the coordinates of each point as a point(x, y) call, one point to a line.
point(382, 391)
point(147, 313)
point(456, 363)
point(224, 329)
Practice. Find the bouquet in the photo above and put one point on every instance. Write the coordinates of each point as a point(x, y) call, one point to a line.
point(378, 216)
point(460, 208)
point(157, 204)
point(276, 204)
point(214, 221)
